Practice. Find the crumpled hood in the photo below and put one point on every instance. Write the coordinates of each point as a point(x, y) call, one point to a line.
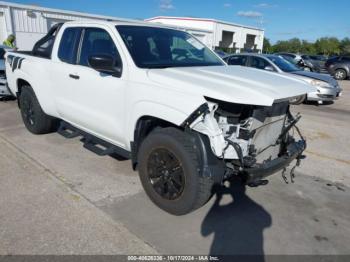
point(317, 76)
point(234, 84)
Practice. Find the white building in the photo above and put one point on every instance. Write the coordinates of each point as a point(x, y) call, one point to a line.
point(217, 34)
point(30, 23)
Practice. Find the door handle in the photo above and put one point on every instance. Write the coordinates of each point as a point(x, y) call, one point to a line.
point(74, 76)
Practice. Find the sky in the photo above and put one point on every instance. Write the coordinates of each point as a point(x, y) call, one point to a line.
point(281, 19)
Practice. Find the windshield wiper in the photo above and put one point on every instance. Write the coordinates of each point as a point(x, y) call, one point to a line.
point(158, 67)
point(179, 65)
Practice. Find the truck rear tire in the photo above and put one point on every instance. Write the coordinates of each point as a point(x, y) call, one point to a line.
point(34, 118)
point(170, 172)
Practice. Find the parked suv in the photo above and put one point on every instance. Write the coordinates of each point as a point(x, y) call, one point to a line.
point(161, 98)
point(339, 67)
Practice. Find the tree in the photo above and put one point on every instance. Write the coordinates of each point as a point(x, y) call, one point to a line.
point(294, 45)
point(281, 46)
point(324, 45)
point(267, 48)
point(345, 46)
point(328, 46)
point(307, 47)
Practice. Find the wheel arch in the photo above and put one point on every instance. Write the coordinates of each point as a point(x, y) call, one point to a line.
point(45, 100)
point(143, 127)
point(20, 83)
point(345, 68)
point(211, 166)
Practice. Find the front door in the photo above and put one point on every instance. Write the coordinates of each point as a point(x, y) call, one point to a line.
point(89, 99)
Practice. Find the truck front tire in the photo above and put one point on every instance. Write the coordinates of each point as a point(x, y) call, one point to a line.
point(170, 171)
point(34, 118)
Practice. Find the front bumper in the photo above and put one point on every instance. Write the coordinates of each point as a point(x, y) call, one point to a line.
point(324, 94)
point(261, 171)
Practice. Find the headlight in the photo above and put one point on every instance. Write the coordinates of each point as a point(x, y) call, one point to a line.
point(297, 100)
point(320, 84)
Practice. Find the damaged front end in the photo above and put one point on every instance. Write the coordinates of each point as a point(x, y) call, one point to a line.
point(252, 141)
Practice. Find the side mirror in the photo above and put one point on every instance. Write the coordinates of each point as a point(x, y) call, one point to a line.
point(105, 64)
point(269, 68)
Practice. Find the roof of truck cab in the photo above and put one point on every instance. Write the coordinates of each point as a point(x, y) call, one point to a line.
point(116, 23)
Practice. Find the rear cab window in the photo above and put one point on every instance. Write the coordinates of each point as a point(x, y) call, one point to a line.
point(68, 48)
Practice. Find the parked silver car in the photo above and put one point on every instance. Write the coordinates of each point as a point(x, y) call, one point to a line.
point(328, 88)
point(4, 91)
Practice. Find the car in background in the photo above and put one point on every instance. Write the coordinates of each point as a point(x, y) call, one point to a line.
point(339, 67)
point(327, 87)
point(297, 59)
point(318, 62)
point(221, 53)
point(4, 91)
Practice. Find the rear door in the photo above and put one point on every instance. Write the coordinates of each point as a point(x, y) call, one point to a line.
point(89, 99)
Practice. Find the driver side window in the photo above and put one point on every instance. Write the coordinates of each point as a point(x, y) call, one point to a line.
point(97, 41)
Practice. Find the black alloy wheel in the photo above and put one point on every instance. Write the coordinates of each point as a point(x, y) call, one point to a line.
point(166, 174)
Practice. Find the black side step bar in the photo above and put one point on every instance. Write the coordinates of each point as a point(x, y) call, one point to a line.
point(68, 131)
point(92, 143)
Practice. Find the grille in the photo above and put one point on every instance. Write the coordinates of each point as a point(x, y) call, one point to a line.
point(325, 96)
point(269, 123)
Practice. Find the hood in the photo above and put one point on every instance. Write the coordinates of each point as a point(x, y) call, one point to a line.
point(235, 84)
point(317, 76)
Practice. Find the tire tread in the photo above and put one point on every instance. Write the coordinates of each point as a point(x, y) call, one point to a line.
point(205, 183)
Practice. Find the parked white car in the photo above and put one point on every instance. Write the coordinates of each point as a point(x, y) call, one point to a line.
point(4, 91)
point(161, 98)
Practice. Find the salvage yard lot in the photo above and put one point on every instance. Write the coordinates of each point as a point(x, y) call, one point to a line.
point(58, 198)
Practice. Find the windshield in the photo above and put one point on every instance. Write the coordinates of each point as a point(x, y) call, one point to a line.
point(283, 64)
point(152, 47)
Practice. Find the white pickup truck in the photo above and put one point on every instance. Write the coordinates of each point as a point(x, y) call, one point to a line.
point(161, 98)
